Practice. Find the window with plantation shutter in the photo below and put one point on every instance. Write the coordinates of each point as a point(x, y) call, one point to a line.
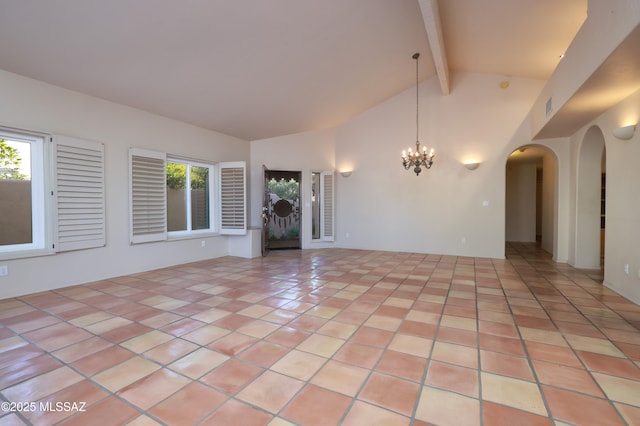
point(327, 209)
point(79, 190)
point(232, 197)
point(174, 197)
point(148, 196)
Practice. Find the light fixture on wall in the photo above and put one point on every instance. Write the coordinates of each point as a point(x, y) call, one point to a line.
point(417, 159)
point(346, 173)
point(471, 165)
point(625, 133)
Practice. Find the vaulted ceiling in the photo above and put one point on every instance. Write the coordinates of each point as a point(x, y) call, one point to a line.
point(256, 69)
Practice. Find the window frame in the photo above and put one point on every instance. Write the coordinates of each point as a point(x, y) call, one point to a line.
point(41, 205)
point(213, 207)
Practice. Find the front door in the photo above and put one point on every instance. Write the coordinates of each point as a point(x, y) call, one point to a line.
point(281, 209)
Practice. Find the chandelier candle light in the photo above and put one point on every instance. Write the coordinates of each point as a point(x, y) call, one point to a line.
point(417, 159)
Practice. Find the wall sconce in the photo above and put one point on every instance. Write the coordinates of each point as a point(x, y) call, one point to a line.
point(471, 166)
point(624, 133)
point(346, 173)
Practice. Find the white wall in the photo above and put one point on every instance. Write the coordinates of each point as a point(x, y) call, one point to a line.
point(33, 105)
point(549, 194)
point(520, 215)
point(588, 196)
point(622, 197)
point(382, 206)
point(306, 152)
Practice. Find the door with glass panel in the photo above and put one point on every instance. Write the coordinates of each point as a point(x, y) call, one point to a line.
point(281, 209)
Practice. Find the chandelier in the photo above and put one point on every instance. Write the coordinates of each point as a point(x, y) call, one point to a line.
point(417, 159)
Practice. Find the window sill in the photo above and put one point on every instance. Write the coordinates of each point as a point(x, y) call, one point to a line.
point(179, 236)
point(23, 254)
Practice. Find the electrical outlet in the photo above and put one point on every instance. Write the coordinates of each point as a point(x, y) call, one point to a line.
point(4, 270)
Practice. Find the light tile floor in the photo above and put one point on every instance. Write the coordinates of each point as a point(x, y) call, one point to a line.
point(327, 337)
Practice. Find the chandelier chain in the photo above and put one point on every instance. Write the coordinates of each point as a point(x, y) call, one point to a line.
point(417, 99)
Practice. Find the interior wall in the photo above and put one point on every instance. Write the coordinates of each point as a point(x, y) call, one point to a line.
point(305, 152)
point(549, 208)
point(33, 105)
point(622, 257)
point(539, 178)
point(588, 194)
point(448, 209)
point(520, 211)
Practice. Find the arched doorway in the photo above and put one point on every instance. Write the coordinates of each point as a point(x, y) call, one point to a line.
point(531, 193)
point(590, 201)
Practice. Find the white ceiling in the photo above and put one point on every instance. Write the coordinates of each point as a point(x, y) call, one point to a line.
point(262, 68)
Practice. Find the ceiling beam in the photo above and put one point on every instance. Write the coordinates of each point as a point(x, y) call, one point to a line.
point(431, 18)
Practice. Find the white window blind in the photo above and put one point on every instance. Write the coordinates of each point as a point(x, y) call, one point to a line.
point(327, 206)
point(79, 190)
point(232, 203)
point(148, 196)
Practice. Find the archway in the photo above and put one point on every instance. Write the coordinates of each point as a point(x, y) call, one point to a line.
point(531, 194)
point(589, 240)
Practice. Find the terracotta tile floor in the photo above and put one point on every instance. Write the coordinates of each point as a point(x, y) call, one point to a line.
point(327, 337)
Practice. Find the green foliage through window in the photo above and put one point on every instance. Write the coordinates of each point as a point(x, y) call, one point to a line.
point(177, 176)
point(287, 189)
point(10, 162)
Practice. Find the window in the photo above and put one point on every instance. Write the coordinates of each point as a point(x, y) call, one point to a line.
point(51, 194)
point(22, 193)
point(176, 197)
point(189, 194)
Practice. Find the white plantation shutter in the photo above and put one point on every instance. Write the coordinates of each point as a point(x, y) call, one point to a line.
point(148, 196)
point(327, 202)
point(79, 190)
point(232, 196)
